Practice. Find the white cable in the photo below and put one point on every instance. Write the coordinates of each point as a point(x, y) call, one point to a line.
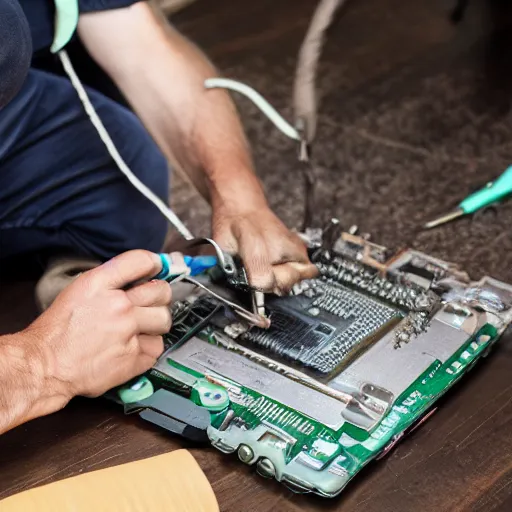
point(267, 109)
point(114, 153)
point(304, 93)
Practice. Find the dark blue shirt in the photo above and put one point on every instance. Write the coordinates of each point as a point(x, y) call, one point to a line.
point(40, 15)
point(27, 26)
point(15, 49)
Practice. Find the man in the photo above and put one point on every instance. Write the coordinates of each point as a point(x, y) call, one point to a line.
point(59, 188)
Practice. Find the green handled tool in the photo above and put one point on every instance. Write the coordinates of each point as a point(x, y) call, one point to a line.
point(493, 192)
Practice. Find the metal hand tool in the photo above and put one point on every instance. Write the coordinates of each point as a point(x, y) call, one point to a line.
point(234, 273)
point(494, 191)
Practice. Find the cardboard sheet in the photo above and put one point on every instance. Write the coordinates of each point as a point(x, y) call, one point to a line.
point(172, 482)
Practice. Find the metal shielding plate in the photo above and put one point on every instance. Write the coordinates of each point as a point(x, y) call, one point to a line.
point(207, 358)
point(396, 369)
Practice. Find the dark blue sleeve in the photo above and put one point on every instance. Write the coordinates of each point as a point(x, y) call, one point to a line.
point(15, 49)
point(41, 14)
point(103, 5)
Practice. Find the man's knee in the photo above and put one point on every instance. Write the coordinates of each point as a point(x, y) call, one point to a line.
point(75, 196)
point(120, 217)
point(141, 223)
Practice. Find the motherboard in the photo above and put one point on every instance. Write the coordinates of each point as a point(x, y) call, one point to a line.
point(352, 360)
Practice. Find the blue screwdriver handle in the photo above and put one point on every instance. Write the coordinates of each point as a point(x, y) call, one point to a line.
point(196, 264)
point(494, 192)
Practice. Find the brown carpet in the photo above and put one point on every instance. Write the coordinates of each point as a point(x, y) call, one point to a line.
point(414, 115)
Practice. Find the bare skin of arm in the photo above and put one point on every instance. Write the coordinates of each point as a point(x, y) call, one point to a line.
point(162, 75)
point(27, 389)
point(95, 336)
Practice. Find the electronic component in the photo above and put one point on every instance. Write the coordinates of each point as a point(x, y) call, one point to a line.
point(323, 326)
point(352, 360)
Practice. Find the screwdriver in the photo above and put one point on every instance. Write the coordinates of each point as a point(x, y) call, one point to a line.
point(492, 193)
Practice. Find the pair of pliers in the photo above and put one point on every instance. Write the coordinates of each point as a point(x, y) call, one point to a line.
point(235, 275)
point(176, 267)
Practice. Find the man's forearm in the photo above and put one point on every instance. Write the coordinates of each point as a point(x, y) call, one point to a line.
point(26, 390)
point(162, 75)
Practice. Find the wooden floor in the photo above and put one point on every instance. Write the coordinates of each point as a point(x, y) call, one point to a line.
point(415, 113)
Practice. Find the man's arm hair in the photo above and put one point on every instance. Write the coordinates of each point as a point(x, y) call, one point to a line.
point(27, 390)
point(162, 75)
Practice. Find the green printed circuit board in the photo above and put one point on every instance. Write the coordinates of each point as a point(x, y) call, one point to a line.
point(352, 361)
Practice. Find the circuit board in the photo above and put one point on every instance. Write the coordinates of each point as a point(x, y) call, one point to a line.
point(352, 360)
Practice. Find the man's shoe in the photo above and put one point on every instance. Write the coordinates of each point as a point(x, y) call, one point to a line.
point(60, 273)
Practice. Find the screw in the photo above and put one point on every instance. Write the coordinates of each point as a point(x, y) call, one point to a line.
point(266, 468)
point(245, 454)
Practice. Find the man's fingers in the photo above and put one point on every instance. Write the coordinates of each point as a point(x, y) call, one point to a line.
point(299, 250)
point(125, 269)
point(291, 250)
point(153, 321)
point(256, 260)
point(285, 277)
point(154, 293)
point(147, 350)
point(291, 263)
point(151, 346)
point(289, 274)
point(141, 365)
point(305, 270)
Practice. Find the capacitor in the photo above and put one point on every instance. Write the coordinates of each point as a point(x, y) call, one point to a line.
point(214, 398)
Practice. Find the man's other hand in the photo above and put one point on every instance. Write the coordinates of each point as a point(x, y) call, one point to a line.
point(274, 257)
point(99, 332)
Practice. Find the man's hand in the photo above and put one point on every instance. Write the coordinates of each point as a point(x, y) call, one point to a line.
point(274, 257)
point(101, 331)
point(96, 335)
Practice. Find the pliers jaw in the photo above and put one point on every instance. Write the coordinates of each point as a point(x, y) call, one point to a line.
point(239, 281)
point(232, 271)
point(258, 303)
